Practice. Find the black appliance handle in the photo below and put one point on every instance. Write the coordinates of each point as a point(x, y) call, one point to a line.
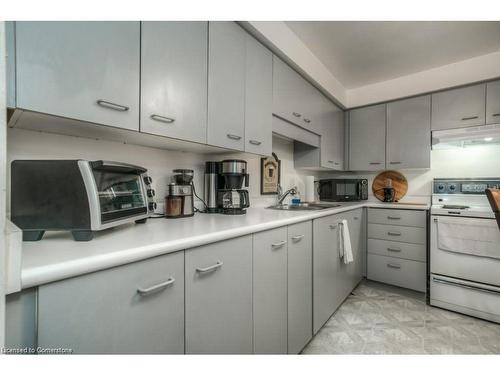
point(246, 199)
point(113, 166)
point(247, 179)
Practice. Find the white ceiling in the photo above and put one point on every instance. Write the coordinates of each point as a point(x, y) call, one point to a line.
point(360, 53)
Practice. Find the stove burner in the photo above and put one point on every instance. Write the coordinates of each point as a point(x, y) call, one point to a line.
point(455, 207)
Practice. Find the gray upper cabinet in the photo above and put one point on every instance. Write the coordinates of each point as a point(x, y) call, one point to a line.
point(299, 286)
point(258, 97)
point(174, 79)
point(136, 308)
point(493, 102)
point(367, 138)
point(10, 46)
point(409, 133)
point(332, 137)
point(219, 297)
point(81, 70)
point(270, 291)
point(226, 85)
point(459, 108)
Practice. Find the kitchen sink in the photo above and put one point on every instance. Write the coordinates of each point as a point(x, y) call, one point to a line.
point(303, 206)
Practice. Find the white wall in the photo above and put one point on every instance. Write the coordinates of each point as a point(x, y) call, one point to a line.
point(26, 144)
point(3, 117)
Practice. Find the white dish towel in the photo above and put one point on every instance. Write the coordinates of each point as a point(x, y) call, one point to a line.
point(345, 242)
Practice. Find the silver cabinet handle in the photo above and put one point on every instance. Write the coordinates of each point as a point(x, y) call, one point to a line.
point(336, 163)
point(333, 226)
point(441, 281)
point(167, 120)
point(211, 268)
point(234, 137)
point(393, 217)
point(375, 163)
point(394, 233)
point(394, 250)
point(330, 161)
point(391, 265)
point(297, 238)
point(307, 120)
point(395, 162)
point(356, 218)
point(278, 244)
point(110, 105)
point(495, 114)
point(296, 114)
point(155, 288)
point(255, 143)
point(469, 118)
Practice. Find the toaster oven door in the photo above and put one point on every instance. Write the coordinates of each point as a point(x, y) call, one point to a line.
point(121, 195)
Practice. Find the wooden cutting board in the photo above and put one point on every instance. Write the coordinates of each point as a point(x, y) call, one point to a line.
point(399, 183)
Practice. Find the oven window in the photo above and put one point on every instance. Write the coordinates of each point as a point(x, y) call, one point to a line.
point(118, 191)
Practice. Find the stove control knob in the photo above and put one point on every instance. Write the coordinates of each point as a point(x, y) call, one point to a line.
point(452, 187)
point(148, 180)
point(440, 187)
point(151, 193)
point(152, 206)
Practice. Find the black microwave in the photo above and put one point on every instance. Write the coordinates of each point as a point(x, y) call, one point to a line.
point(338, 190)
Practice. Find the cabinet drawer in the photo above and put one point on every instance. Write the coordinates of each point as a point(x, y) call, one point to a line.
point(397, 217)
point(397, 233)
point(401, 272)
point(397, 249)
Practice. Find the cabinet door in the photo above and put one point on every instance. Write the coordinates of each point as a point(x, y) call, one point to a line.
point(409, 133)
point(82, 70)
point(219, 297)
point(258, 98)
point(332, 137)
point(367, 138)
point(270, 291)
point(327, 280)
point(286, 89)
point(174, 79)
point(493, 102)
point(20, 319)
point(226, 85)
point(459, 108)
point(112, 311)
point(355, 220)
point(299, 286)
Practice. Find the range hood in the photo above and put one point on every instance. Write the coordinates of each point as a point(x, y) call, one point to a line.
point(463, 137)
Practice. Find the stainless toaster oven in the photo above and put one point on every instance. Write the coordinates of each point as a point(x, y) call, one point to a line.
point(77, 195)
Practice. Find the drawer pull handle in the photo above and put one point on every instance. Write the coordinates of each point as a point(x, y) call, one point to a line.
point(496, 114)
point(155, 288)
point(330, 161)
point(234, 137)
point(336, 163)
point(333, 226)
point(375, 163)
point(395, 266)
point(110, 105)
point(296, 114)
point(394, 217)
point(211, 268)
point(469, 118)
point(441, 281)
point(307, 120)
point(356, 218)
point(297, 238)
point(167, 120)
point(255, 143)
point(394, 233)
point(277, 245)
point(395, 162)
point(394, 250)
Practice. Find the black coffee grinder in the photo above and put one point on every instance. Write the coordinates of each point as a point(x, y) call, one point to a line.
point(231, 198)
point(389, 192)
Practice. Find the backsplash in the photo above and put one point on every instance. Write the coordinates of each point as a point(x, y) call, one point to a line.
point(27, 144)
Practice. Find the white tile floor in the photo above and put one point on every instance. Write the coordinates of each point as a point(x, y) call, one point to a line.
point(378, 319)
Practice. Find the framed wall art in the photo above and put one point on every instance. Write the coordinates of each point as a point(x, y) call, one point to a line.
point(270, 175)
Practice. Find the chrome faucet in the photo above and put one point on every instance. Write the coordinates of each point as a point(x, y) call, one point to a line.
point(281, 196)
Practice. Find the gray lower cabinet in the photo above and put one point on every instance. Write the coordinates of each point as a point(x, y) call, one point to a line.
point(174, 79)
point(493, 102)
point(409, 133)
point(20, 320)
point(136, 308)
point(226, 85)
point(270, 291)
point(357, 231)
point(219, 297)
point(258, 97)
point(327, 279)
point(299, 286)
point(367, 138)
point(81, 70)
point(459, 108)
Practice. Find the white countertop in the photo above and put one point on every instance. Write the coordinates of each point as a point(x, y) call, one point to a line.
point(57, 256)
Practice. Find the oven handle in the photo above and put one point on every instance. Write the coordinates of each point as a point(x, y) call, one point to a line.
point(113, 166)
point(454, 283)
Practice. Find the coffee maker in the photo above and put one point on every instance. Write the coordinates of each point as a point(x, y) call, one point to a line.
point(231, 198)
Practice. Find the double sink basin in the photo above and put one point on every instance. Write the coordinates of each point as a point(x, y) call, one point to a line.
point(303, 206)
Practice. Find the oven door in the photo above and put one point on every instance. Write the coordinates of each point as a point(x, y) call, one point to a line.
point(466, 248)
point(121, 193)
